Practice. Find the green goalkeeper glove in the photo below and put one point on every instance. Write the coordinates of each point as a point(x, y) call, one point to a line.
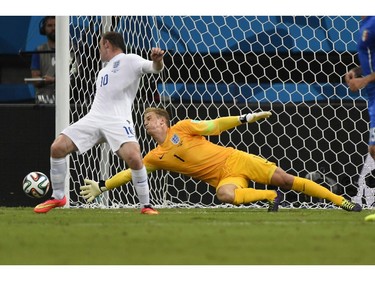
point(92, 189)
point(253, 117)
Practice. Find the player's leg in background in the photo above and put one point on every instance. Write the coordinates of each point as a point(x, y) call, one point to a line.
point(365, 178)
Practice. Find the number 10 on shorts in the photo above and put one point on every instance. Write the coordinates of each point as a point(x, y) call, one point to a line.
point(129, 131)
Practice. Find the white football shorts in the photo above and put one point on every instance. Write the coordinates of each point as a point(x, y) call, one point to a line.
point(94, 129)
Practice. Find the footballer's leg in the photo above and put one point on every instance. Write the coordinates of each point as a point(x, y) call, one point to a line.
point(308, 187)
point(315, 190)
point(230, 193)
point(240, 168)
point(130, 153)
point(61, 147)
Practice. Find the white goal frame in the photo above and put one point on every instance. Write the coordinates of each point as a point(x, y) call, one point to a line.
point(62, 84)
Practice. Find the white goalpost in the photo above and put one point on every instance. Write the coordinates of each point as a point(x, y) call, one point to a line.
point(62, 102)
point(230, 65)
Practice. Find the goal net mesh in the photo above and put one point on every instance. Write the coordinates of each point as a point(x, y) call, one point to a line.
point(230, 65)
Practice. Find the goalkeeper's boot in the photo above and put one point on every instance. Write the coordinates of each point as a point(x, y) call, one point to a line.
point(273, 206)
point(49, 205)
point(148, 210)
point(350, 206)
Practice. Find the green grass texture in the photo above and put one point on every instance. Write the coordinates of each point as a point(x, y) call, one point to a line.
point(201, 236)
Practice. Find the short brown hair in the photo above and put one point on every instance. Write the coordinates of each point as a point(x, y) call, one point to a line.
point(159, 112)
point(116, 39)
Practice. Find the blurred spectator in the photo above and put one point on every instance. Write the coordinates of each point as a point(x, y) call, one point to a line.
point(43, 63)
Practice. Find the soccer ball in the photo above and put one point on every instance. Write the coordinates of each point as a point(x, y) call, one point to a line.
point(36, 184)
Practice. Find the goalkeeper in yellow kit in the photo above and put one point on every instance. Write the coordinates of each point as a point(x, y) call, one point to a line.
point(183, 148)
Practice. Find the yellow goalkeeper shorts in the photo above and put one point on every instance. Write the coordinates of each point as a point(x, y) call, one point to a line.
point(242, 167)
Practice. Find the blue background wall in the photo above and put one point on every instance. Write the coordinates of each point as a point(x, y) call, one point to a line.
point(19, 33)
point(217, 35)
point(250, 34)
point(263, 34)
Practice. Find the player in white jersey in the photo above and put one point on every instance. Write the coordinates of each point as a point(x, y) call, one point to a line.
point(109, 120)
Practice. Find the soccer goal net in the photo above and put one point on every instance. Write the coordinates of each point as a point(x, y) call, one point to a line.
point(230, 65)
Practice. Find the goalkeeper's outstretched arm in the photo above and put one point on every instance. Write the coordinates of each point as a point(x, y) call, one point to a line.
point(92, 189)
point(221, 124)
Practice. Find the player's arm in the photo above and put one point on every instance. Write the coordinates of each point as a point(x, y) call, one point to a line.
point(359, 83)
point(157, 55)
point(35, 70)
point(92, 189)
point(216, 126)
point(36, 73)
point(355, 72)
point(156, 64)
point(356, 81)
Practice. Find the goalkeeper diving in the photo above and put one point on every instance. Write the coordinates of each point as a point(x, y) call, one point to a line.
point(183, 149)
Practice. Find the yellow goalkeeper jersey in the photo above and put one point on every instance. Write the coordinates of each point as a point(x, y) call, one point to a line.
point(186, 151)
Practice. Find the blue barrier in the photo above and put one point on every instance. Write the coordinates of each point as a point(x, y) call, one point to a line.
point(17, 93)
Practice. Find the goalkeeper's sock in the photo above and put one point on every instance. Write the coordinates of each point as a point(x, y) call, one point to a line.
point(248, 195)
point(313, 189)
point(58, 174)
point(139, 178)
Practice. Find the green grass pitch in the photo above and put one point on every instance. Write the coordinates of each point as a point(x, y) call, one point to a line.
point(218, 236)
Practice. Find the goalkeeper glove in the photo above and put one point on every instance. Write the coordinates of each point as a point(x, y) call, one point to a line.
point(92, 189)
point(253, 117)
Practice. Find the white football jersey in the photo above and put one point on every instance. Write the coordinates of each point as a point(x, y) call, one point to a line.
point(117, 85)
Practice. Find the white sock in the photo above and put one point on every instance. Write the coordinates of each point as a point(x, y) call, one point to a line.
point(140, 182)
point(58, 175)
